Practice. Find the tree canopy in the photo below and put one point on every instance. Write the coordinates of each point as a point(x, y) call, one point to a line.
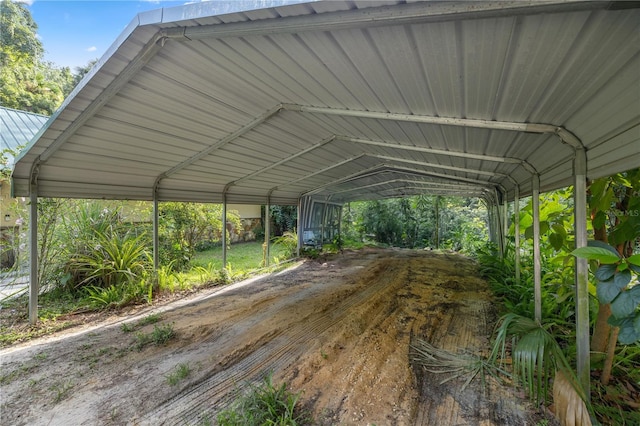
point(27, 82)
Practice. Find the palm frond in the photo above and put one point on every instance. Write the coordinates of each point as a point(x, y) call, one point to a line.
point(455, 365)
point(536, 355)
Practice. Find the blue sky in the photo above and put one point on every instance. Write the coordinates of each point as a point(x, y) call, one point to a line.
point(75, 32)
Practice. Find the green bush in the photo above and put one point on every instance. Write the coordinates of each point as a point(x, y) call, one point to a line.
point(267, 404)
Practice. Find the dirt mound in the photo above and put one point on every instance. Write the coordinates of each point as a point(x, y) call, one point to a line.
point(338, 331)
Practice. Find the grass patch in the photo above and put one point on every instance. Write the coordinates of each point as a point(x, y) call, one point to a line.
point(61, 391)
point(266, 404)
point(159, 336)
point(241, 256)
point(181, 372)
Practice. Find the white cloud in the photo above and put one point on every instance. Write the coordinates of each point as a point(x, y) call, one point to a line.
point(91, 49)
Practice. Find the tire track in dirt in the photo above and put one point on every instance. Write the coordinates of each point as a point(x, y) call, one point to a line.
point(338, 332)
point(271, 352)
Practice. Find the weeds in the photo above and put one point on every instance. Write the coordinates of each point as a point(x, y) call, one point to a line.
point(150, 319)
point(61, 391)
point(266, 404)
point(159, 336)
point(181, 372)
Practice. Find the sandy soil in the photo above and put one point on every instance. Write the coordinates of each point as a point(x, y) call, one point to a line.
point(338, 330)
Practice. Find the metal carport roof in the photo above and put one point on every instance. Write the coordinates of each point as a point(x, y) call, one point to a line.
point(348, 100)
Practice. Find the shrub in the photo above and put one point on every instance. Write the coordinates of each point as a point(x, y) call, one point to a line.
point(266, 404)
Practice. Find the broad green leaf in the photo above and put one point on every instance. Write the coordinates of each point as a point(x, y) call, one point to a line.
point(634, 260)
point(626, 230)
point(616, 322)
point(560, 230)
point(605, 272)
point(544, 227)
point(528, 233)
point(599, 219)
point(623, 305)
point(629, 333)
point(636, 323)
point(556, 241)
point(621, 279)
point(602, 244)
point(525, 220)
point(634, 268)
point(607, 291)
point(596, 253)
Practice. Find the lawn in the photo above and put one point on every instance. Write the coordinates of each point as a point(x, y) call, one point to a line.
point(241, 256)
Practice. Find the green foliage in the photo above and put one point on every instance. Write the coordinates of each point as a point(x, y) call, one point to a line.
point(241, 256)
point(267, 404)
point(181, 372)
point(615, 286)
point(556, 221)
point(185, 226)
point(289, 243)
point(160, 335)
point(283, 218)
point(114, 261)
point(535, 352)
point(411, 222)
point(26, 82)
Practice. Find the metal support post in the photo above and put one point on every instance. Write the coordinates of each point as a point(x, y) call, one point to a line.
point(156, 233)
point(267, 230)
point(516, 232)
point(581, 271)
point(505, 222)
point(34, 285)
point(537, 269)
point(224, 232)
point(300, 225)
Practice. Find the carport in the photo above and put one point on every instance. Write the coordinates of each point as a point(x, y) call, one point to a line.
point(324, 103)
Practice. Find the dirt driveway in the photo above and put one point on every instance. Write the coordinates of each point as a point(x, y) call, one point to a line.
point(337, 330)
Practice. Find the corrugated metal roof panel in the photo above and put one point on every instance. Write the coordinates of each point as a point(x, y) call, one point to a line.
point(17, 128)
point(220, 103)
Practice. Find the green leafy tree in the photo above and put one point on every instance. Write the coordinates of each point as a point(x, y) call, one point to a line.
point(614, 207)
point(283, 218)
point(184, 226)
point(26, 81)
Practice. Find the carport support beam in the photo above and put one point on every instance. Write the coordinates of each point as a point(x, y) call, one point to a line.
point(33, 255)
point(505, 222)
point(301, 220)
point(516, 231)
point(224, 232)
point(267, 230)
point(537, 269)
point(581, 272)
point(156, 234)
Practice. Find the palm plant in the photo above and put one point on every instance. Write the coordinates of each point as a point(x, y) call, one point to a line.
point(114, 260)
point(289, 243)
point(537, 359)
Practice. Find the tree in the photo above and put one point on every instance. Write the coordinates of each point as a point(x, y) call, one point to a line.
point(27, 82)
point(614, 208)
